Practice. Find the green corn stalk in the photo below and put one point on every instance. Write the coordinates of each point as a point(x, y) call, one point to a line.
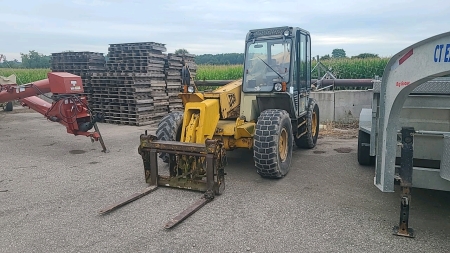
point(355, 68)
point(219, 72)
point(24, 76)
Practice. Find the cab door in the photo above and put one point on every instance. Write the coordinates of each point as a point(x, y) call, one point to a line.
point(302, 67)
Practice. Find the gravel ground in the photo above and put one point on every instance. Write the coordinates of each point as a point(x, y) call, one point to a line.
point(52, 186)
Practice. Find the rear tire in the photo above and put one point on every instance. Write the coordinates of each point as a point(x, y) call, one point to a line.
point(364, 157)
point(8, 107)
point(309, 139)
point(169, 129)
point(272, 143)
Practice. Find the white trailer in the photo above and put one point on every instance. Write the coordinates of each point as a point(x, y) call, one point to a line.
point(413, 98)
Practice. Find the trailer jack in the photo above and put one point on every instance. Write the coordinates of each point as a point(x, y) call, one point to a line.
point(191, 166)
point(405, 173)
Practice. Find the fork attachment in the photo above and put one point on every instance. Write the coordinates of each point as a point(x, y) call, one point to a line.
point(192, 166)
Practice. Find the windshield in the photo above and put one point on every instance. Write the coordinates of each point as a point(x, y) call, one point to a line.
point(266, 63)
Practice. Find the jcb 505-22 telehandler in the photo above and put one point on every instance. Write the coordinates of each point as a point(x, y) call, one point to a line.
point(267, 110)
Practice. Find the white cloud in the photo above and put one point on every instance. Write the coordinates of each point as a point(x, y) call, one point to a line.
point(91, 3)
point(212, 46)
point(341, 40)
point(10, 56)
point(217, 26)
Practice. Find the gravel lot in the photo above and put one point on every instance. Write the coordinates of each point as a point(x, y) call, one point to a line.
point(52, 186)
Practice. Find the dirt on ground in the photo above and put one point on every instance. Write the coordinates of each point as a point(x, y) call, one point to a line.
point(20, 110)
point(339, 130)
point(52, 186)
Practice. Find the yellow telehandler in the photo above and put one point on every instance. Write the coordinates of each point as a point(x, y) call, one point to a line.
point(268, 110)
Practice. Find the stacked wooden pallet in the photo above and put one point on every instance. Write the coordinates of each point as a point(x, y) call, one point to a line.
point(83, 64)
point(174, 65)
point(133, 89)
point(188, 60)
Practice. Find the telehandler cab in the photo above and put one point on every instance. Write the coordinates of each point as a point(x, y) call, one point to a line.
point(268, 110)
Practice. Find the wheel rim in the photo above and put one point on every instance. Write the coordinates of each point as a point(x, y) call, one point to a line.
point(314, 124)
point(283, 145)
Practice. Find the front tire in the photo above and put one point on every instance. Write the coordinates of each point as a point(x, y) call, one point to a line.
point(309, 139)
point(169, 129)
point(272, 143)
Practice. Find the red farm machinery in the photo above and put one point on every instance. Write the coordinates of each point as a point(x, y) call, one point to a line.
point(68, 107)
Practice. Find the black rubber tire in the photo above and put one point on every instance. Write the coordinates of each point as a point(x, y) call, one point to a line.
point(266, 154)
point(364, 157)
point(169, 129)
point(309, 140)
point(8, 107)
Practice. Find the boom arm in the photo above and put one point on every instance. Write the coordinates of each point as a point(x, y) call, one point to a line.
point(11, 92)
point(68, 108)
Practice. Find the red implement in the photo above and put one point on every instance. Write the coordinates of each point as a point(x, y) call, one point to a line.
point(68, 108)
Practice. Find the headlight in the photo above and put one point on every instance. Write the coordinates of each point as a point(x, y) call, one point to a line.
point(287, 33)
point(191, 89)
point(278, 87)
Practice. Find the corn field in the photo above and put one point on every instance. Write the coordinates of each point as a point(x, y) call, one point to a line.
point(341, 68)
point(25, 75)
point(354, 68)
point(219, 72)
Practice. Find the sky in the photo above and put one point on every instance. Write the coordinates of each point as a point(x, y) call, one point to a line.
point(382, 27)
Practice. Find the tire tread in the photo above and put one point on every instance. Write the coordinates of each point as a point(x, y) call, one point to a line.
point(168, 129)
point(307, 140)
point(266, 142)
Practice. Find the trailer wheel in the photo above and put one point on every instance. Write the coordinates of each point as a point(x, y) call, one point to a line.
point(364, 157)
point(309, 139)
point(272, 143)
point(169, 129)
point(8, 107)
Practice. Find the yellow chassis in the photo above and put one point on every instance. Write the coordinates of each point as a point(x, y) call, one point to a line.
point(215, 115)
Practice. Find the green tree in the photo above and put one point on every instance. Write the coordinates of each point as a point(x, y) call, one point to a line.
point(366, 55)
point(35, 60)
point(15, 64)
point(325, 57)
point(220, 59)
point(181, 51)
point(338, 53)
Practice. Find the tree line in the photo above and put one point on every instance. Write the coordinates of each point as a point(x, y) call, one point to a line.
point(33, 59)
point(220, 59)
point(340, 53)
